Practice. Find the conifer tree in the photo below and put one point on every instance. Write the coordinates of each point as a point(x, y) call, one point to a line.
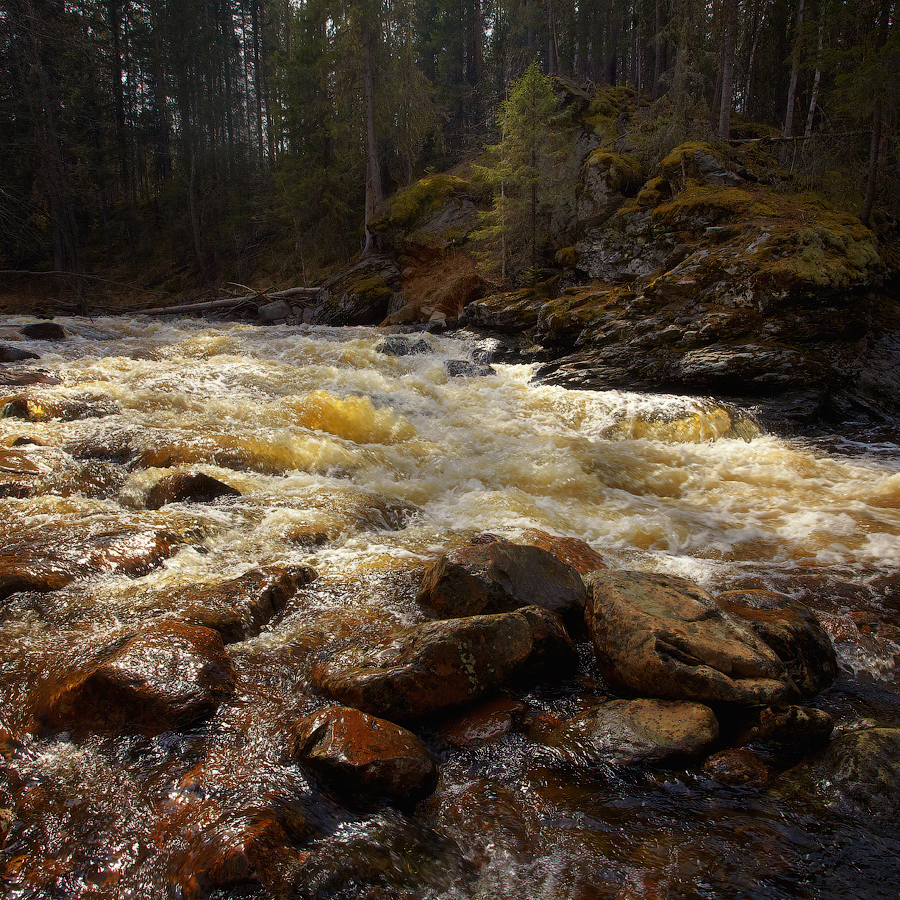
point(525, 185)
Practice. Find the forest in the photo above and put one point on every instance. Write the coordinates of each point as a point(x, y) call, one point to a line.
point(179, 143)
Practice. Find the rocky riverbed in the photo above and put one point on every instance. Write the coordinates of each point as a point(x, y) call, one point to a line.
point(313, 612)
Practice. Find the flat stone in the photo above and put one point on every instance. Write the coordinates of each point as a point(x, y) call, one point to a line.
point(430, 667)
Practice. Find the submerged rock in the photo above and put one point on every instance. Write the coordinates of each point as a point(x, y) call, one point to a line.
point(66, 409)
point(499, 576)
point(400, 345)
point(15, 354)
point(360, 754)
point(429, 667)
point(737, 767)
point(188, 487)
point(663, 636)
point(42, 561)
point(857, 775)
point(792, 631)
point(464, 368)
point(483, 723)
point(624, 732)
point(164, 677)
point(242, 607)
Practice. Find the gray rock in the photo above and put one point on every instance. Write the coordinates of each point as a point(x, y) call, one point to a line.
point(624, 732)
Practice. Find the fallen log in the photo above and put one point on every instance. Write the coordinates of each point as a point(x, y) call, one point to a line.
point(230, 302)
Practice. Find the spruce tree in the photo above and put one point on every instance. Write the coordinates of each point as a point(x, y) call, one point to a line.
point(523, 176)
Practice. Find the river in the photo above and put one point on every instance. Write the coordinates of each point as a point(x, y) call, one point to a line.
point(366, 466)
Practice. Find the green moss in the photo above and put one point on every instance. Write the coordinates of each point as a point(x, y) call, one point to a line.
point(425, 196)
point(673, 166)
point(654, 192)
point(373, 289)
point(604, 110)
point(625, 172)
point(705, 205)
point(567, 257)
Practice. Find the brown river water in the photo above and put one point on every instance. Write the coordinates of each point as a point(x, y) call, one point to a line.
point(366, 467)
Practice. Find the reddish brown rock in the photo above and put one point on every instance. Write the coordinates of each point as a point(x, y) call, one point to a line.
point(15, 354)
point(248, 853)
point(359, 754)
point(482, 724)
point(553, 655)
point(13, 378)
point(664, 636)
point(792, 631)
point(188, 487)
point(242, 607)
point(429, 667)
point(165, 677)
point(500, 576)
point(43, 561)
point(624, 732)
point(786, 727)
point(738, 767)
point(572, 551)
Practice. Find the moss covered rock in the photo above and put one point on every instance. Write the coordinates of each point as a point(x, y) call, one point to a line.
point(362, 294)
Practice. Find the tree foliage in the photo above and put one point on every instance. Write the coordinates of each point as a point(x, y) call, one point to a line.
point(209, 130)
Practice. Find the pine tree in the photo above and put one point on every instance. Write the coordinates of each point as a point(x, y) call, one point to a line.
point(515, 230)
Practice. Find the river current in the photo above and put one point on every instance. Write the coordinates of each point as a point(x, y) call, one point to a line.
point(366, 466)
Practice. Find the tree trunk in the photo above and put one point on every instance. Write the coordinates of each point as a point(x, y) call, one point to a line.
point(374, 188)
point(728, 41)
point(792, 88)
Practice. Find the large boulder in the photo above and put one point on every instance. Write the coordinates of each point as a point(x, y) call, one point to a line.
point(624, 732)
point(500, 576)
point(438, 665)
point(359, 754)
point(164, 677)
point(362, 294)
point(792, 631)
point(569, 550)
point(664, 636)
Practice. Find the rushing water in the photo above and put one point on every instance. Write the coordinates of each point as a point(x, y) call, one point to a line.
point(366, 466)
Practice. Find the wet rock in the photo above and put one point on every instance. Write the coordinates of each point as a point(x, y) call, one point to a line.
point(624, 732)
point(857, 775)
point(464, 368)
point(188, 487)
point(11, 378)
point(42, 561)
point(66, 409)
point(44, 331)
point(572, 551)
point(429, 667)
point(15, 354)
point(484, 723)
point(663, 636)
point(249, 853)
point(242, 607)
point(792, 631)
point(165, 677)
point(553, 654)
point(500, 576)
point(786, 727)
point(384, 857)
point(359, 754)
point(737, 767)
point(400, 345)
